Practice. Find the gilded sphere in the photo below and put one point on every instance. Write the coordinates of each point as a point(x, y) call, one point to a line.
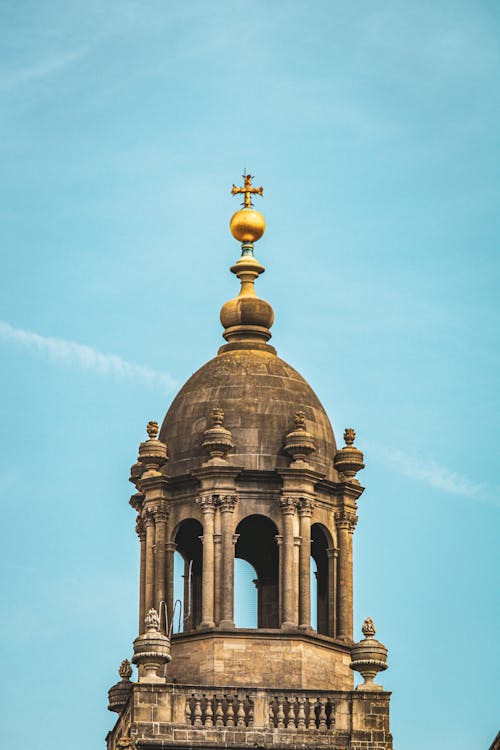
point(247, 225)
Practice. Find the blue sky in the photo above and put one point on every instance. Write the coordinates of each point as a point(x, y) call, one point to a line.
point(373, 127)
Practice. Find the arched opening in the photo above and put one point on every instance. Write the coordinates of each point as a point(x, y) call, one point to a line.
point(188, 562)
point(257, 545)
point(245, 595)
point(319, 547)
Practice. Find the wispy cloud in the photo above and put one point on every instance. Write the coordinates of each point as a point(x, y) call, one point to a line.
point(432, 473)
point(40, 69)
point(85, 357)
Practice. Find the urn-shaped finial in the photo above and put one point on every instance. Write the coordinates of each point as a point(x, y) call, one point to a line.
point(349, 460)
point(369, 657)
point(152, 452)
point(299, 443)
point(217, 440)
point(151, 649)
point(119, 693)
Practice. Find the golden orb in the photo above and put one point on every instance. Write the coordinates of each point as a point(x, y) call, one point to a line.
point(247, 225)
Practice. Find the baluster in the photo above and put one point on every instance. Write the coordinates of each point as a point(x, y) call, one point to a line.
point(188, 711)
point(197, 712)
point(250, 712)
point(209, 714)
point(301, 716)
point(240, 716)
point(280, 716)
point(321, 714)
point(271, 714)
point(219, 714)
point(230, 713)
point(329, 714)
point(308, 708)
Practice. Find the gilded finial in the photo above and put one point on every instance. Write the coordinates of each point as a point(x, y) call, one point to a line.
point(247, 225)
point(152, 430)
point(247, 190)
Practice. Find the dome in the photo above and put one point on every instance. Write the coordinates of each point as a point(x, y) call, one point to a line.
point(260, 395)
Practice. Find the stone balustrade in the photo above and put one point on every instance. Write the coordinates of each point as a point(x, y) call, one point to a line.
point(189, 715)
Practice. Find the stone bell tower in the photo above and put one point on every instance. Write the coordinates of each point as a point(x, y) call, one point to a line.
point(245, 465)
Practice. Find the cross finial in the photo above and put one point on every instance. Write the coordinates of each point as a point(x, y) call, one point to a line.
point(247, 190)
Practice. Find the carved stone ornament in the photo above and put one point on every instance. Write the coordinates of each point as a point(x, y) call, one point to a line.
point(151, 649)
point(161, 513)
point(140, 529)
point(299, 443)
point(227, 503)
point(349, 460)
point(346, 519)
point(125, 670)
point(126, 743)
point(217, 440)
point(288, 505)
point(369, 657)
point(306, 507)
point(119, 694)
point(152, 452)
point(208, 503)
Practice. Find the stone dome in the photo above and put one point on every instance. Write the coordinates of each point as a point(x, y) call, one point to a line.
point(260, 395)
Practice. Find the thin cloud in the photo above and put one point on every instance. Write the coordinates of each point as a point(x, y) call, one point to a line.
point(432, 473)
point(40, 69)
point(85, 357)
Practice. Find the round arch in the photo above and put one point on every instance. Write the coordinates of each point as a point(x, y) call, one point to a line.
point(189, 546)
point(257, 545)
point(321, 542)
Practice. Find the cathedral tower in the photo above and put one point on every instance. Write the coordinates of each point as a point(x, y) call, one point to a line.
point(245, 465)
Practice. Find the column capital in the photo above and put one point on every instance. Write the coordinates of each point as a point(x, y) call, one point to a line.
point(332, 552)
point(227, 503)
point(140, 528)
point(160, 513)
point(288, 505)
point(148, 517)
point(346, 519)
point(207, 503)
point(279, 539)
point(297, 541)
point(170, 546)
point(306, 506)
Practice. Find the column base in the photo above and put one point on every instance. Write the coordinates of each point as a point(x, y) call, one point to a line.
point(226, 625)
point(289, 626)
point(204, 625)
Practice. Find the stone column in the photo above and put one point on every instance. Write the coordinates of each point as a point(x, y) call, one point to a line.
point(149, 585)
point(346, 523)
point(207, 587)
point(170, 548)
point(141, 533)
point(279, 542)
point(332, 591)
point(226, 582)
point(288, 506)
point(305, 512)
point(161, 519)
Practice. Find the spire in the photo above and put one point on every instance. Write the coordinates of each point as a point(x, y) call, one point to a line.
point(247, 319)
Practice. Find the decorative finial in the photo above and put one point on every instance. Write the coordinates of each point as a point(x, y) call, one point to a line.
point(247, 190)
point(125, 670)
point(368, 628)
point(247, 225)
point(152, 453)
point(300, 420)
point(368, 657)
point(349, 460)
point(217, 415)
point(298, 442)
point(217, 440)
point(151, 650)
point(152, 620)
point(152, 430)
point(349, 436)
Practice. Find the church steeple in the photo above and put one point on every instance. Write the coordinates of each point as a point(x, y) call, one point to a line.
point(245, 466)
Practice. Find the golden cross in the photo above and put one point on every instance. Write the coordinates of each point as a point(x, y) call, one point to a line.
point(247, 190)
